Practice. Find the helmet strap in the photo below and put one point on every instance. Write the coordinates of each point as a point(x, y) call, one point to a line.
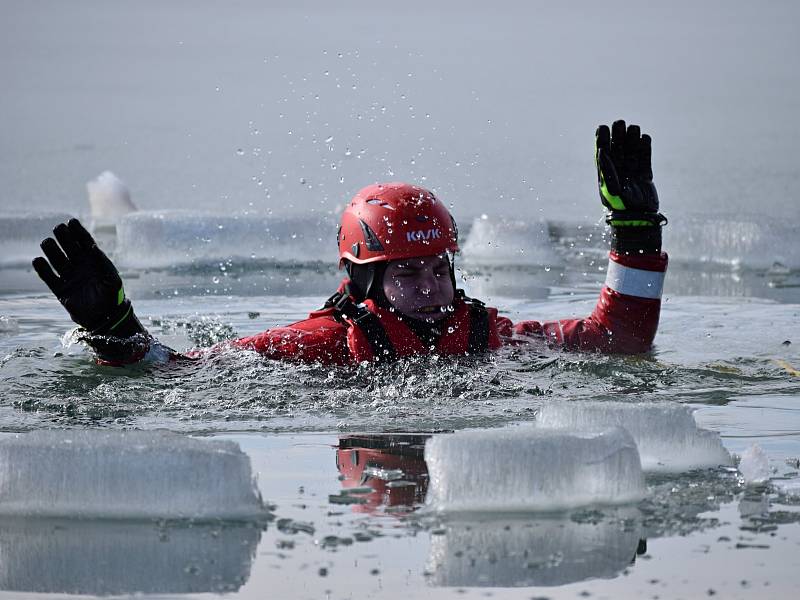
point(366, 281)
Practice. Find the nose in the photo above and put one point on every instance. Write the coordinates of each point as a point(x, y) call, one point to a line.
point(428, 283)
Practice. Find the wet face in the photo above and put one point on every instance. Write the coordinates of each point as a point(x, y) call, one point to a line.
point(420, 288)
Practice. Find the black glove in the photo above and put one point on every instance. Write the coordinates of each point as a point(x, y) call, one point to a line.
point(88, 285)
point(625, 179)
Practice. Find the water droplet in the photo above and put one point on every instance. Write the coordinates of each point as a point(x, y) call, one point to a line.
point(329, 139)
point(240, 152)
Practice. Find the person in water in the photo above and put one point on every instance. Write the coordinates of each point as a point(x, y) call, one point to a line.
point(397, 243)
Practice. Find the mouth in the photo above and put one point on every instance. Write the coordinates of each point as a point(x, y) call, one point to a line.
point(430, 309)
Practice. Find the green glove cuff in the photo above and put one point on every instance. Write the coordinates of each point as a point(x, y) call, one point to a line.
point(627, 218)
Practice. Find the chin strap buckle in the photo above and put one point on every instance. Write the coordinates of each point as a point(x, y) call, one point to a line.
point(342, 304)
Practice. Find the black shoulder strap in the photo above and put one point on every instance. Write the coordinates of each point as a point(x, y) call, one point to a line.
point(349, 313)
point(478, 326)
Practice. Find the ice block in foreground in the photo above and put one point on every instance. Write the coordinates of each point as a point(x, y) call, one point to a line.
point(125, 475)
point(531, 469)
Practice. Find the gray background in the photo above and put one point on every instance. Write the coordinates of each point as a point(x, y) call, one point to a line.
point(293, 106)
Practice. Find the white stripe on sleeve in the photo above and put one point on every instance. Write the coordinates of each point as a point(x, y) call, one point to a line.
point(634, 282)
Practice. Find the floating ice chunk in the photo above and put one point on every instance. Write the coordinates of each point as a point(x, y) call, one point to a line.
point(531, 469)
point(754, 465)
point(666, 433)
point(125, 475)
point(167, 238)
point(109, 199)
point(757, 243)
point(20, 235)
point(508, 242)
point(102, 558)
point(8, 324)
point(790, 486)
point(492, 553)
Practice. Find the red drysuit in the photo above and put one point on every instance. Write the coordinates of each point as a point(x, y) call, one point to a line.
point(624, 321)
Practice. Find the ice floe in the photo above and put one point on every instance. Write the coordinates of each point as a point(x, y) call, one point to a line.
point(20, 235)
point(125, 475)
point(166, 238)
point(750, 242)
point(754, 465)
point(8, 324)
point(109, 199)
point(529, 468)
point(509, 242)
point(666, 433)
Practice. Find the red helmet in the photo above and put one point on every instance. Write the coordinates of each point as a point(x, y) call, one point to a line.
point(390, 221)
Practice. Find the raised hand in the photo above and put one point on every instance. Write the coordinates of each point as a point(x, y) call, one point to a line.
point(86, 282)
point(625, 175)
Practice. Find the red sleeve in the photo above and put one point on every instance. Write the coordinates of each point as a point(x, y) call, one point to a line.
point(625, 318)
point(320, 338)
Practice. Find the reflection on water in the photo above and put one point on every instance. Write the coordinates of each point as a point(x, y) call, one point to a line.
point(386, 470)
point(516, 552)
point(111, 558)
